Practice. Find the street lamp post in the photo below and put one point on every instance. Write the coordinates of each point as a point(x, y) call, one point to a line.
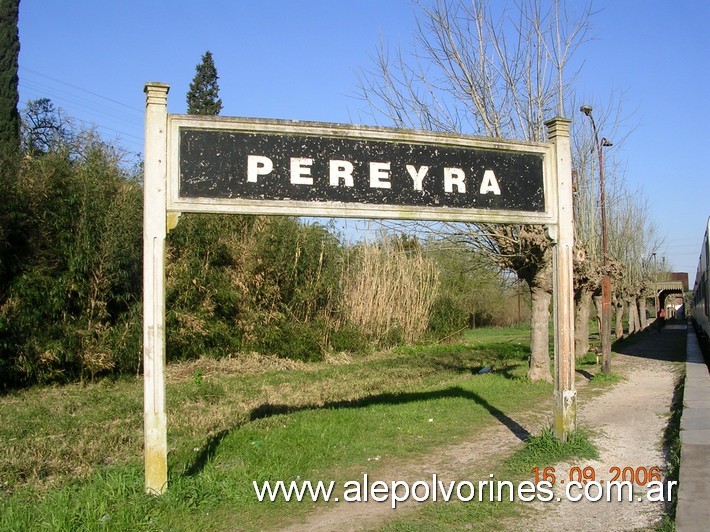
point(606, 280)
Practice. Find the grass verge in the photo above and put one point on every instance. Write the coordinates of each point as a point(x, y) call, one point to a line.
point(72, 455)
point(546, 449)
point(672, 448)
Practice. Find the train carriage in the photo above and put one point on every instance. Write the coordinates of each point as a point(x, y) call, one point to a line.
point(701, 290)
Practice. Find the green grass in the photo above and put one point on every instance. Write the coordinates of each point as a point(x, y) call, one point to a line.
point(539, 452)
point(606, 379)
point(72, 455)
point(544, 450)
point(590, 359)
point(672, 448)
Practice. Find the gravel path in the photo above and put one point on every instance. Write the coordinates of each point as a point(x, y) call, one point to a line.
point(627, 422)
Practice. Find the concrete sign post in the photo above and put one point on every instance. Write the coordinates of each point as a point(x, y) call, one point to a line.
point(277, 167)
point(154, 231)
point(565, 396)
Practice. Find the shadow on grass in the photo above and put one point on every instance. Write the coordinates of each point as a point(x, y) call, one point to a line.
point(585, 374)
point(205, 454)
point(267, 410)
point(506, 371)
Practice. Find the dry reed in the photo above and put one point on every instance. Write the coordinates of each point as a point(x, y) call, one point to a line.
point(388, 290)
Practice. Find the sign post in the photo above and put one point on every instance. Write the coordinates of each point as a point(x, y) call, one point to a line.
point(565, 396)
point(154, 231)
point(277, 167)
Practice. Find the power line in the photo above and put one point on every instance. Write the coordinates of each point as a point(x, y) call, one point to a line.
point(73, 98)
point(25, 69)
point(126, 115)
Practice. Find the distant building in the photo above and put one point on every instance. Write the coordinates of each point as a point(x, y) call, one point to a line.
point(669, 294)
point(682, 277)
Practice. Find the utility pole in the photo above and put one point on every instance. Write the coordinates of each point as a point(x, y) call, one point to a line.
point(605, 332)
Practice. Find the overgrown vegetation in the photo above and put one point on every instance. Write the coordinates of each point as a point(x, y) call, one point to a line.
point(69, 301)
point(251, 284)
point(70, 293)
point(389, 289)
point(72, 455)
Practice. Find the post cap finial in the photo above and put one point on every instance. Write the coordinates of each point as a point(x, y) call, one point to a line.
point(558, 126)
point(156, 93)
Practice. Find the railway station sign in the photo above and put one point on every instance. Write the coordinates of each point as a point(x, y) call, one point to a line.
point(253, 166)
point(265, 166)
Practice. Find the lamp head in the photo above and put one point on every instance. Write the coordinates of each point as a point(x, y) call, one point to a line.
point(586, 109)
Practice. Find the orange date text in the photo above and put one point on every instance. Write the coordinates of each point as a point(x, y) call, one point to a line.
point(636, 475)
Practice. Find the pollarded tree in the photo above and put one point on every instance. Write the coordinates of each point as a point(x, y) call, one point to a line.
point(493, 71)
point(9, 95)
point(632, 238)
point(203, 96)
point(635, 241)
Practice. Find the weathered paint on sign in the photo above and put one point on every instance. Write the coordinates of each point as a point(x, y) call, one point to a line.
point(485, 177)
point(258, 166)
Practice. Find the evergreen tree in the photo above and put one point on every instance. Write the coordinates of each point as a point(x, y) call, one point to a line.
point(9, 95)
point(203, 96)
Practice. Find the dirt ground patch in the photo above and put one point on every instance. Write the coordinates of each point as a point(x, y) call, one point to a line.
point(627, 423)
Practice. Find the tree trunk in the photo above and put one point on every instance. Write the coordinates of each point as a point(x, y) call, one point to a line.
point(634, 325)
point(539, 369)
point(619, 318)
point(629, 316)
point(598, 306)
point(581, 323)
point(642, 312)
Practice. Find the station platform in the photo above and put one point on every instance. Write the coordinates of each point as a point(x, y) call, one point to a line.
point(693, 508)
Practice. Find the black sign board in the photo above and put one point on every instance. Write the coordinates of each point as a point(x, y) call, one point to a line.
point(220, 164)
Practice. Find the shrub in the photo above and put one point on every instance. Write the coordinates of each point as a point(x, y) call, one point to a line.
point(349, 338)
point(291, 339)
point(80, 269)
point(473, 291)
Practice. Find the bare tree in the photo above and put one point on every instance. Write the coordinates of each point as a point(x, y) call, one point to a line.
point(589, 263)
point(636, 240)
point(44, 127)
point(498, 72)
point(633, 239)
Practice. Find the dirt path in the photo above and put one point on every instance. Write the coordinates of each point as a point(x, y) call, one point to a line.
point(627, 421)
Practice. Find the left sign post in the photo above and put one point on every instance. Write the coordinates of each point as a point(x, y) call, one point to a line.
point(154, 231)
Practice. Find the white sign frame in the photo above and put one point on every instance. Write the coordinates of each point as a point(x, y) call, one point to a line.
point(162, 206)
point(352, 210)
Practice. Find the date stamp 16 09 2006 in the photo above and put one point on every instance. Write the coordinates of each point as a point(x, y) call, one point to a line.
point(613, 483)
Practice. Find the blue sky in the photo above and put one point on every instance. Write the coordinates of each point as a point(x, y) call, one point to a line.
point(299, 59)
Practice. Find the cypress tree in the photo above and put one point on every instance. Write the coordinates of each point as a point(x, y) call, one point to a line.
point(9, 94)
point(203, 96)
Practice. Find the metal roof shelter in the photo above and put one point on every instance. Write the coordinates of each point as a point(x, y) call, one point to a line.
point(669, 286)
point(663, 289)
